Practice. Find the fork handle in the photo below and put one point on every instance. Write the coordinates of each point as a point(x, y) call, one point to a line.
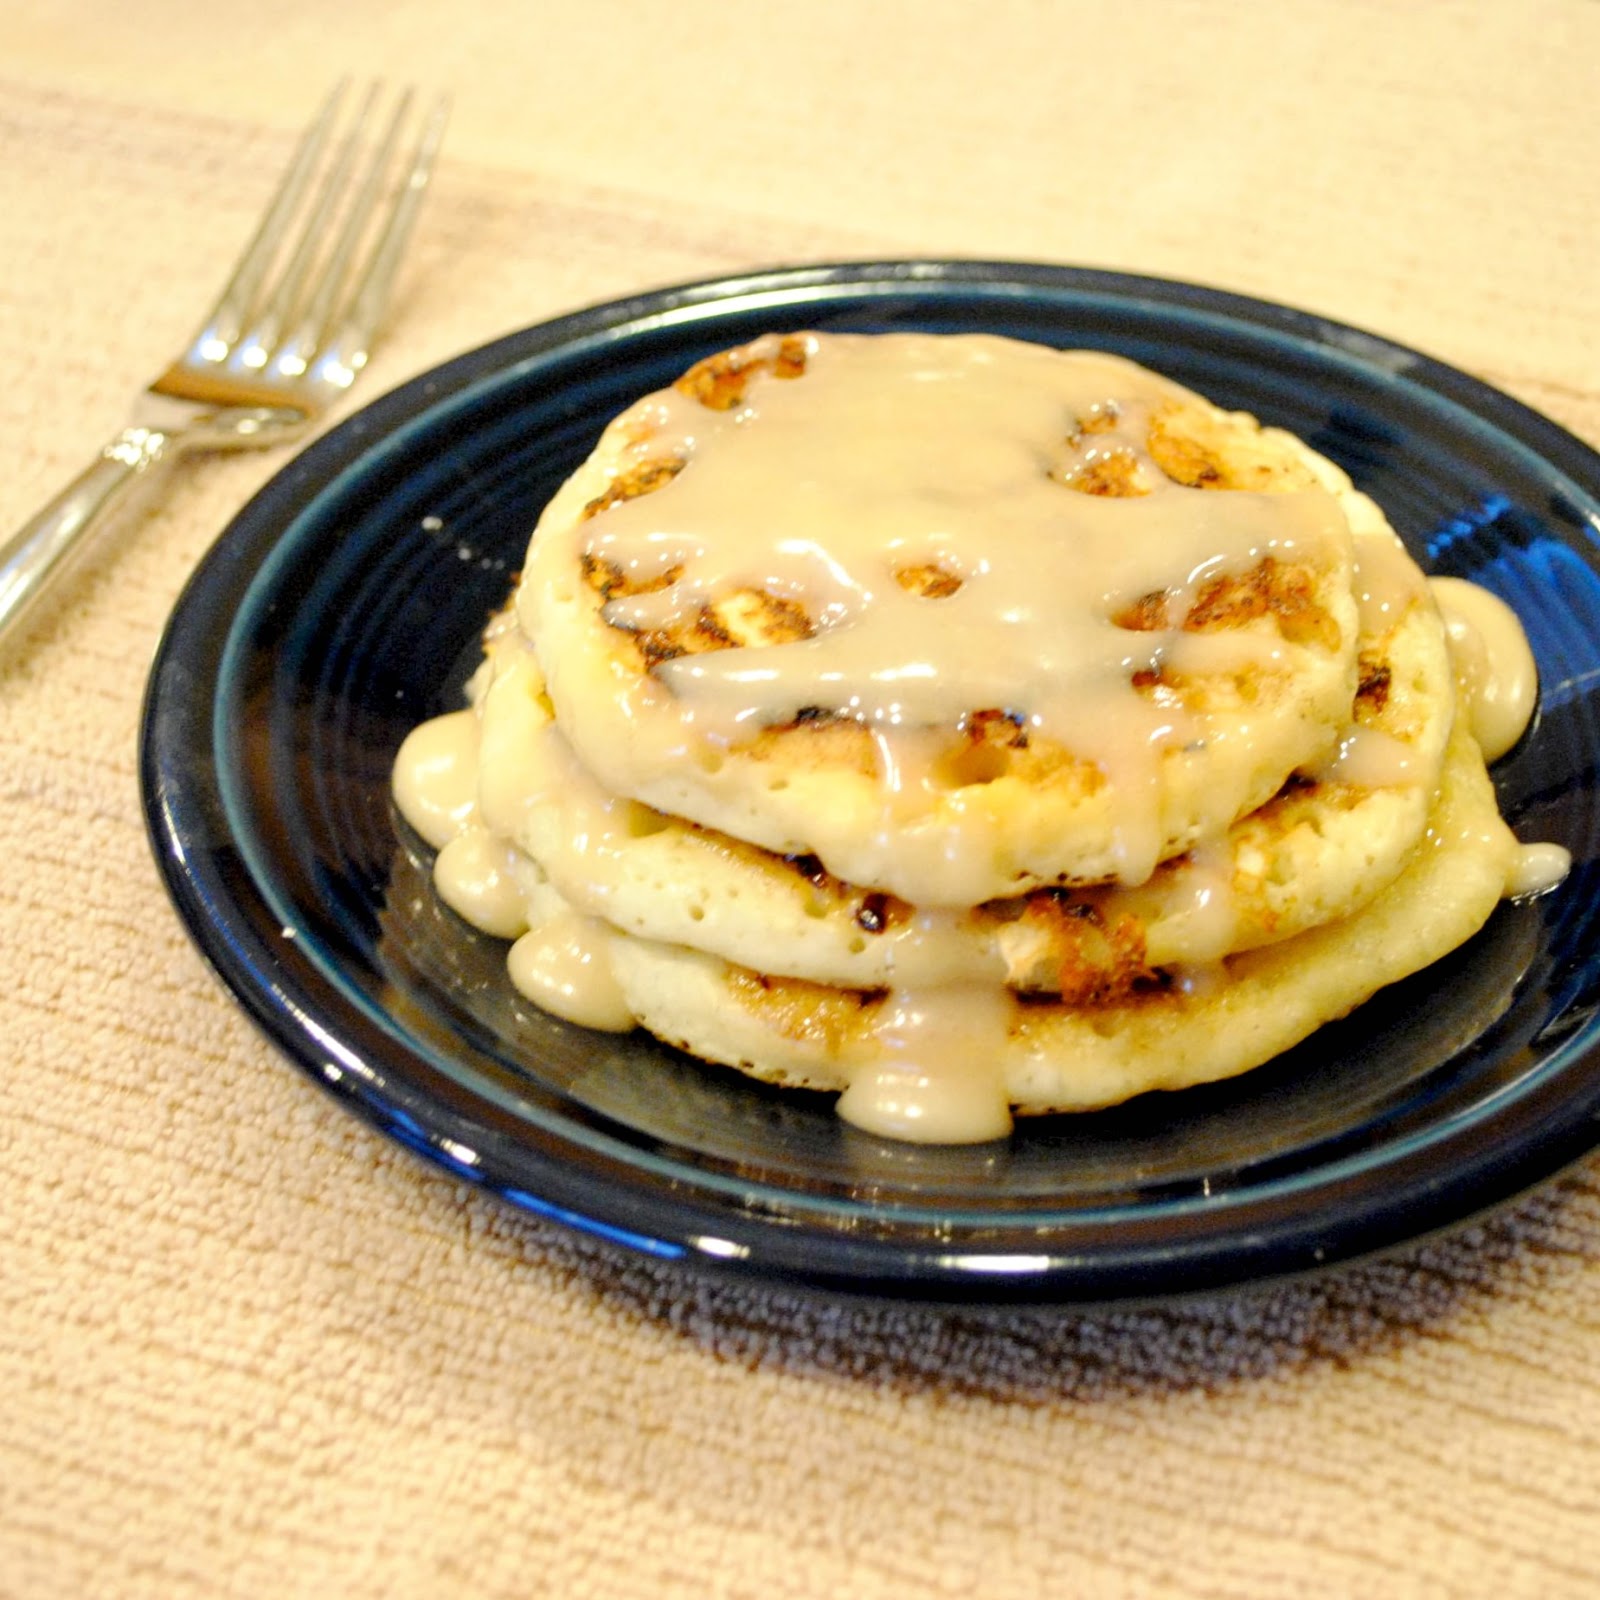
point(39, 549)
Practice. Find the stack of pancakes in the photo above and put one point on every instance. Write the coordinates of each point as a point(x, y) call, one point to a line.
point(969, 727)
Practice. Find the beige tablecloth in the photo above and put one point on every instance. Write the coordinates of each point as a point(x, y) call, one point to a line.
point(247, 1347)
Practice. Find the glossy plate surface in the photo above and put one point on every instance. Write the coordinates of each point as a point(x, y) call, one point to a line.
point(343, 606)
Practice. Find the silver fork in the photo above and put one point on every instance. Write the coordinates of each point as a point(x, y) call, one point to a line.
point(288, 336)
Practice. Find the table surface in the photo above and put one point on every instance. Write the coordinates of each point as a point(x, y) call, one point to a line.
point(248, 1347)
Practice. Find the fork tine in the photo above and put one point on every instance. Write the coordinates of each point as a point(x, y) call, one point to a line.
point(296, 350)
point(345, 354)
point(261, 339)
point(221, 328)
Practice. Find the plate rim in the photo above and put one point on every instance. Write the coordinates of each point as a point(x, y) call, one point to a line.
point(706, 1235)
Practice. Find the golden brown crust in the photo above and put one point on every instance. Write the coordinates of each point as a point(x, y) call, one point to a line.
point(643, 479)
point(808, 1013)
point(1114, 475)
point(719, 382)
point(1177, 444)
point(1101, 959)
point(927, 580)
point(1271, 588)
point(746, 617)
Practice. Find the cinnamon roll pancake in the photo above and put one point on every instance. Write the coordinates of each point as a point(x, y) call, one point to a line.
point(960, 617)
point(970, 728)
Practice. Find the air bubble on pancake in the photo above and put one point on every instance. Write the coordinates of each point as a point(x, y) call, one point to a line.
point(972, 765)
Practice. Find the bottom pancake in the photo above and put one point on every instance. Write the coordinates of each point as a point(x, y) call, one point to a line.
point(950, 1064)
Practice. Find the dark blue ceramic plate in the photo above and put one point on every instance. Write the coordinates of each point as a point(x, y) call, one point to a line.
point(343, 606)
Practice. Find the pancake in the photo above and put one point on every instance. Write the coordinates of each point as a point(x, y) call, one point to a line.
point(1043, 1057)
point(960, 617)
point(968, 727)
point(1319, 849)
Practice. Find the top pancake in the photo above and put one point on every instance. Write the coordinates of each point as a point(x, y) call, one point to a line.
point(960, 617)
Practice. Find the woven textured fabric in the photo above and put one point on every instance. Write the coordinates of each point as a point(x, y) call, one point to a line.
point(249, 1348)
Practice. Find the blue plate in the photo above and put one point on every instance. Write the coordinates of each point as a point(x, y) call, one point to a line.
point(344, 604)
